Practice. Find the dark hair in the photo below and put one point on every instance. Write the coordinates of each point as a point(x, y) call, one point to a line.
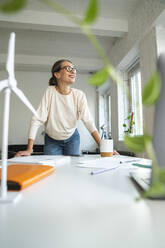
point(55, 68)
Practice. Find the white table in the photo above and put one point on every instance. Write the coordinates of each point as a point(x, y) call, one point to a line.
point(72, 209)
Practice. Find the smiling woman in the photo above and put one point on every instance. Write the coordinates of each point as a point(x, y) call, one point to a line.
point(59, 110)
point(63, 75)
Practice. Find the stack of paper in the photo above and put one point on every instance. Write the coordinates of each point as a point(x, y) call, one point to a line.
point(42, 159)
point(108, 162)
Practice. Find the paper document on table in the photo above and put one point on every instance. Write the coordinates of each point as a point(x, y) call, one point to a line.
point(53, 160)
point(108, 162)
point(103, 164)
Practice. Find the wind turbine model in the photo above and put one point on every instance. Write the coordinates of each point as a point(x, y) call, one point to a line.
point(9, 85)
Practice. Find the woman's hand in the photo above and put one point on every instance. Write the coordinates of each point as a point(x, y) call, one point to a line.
point(28, 150)
point(115, 153)
point(23, 153)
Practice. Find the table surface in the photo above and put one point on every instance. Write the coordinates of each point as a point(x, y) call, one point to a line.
point(72, 208)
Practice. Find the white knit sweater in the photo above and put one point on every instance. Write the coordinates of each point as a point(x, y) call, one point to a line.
point(59, 113)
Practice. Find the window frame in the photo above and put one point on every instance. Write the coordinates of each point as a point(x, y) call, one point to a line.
point(123, 113)
point(105, 111)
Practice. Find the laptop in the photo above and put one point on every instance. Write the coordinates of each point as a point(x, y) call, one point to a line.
point(144, 181)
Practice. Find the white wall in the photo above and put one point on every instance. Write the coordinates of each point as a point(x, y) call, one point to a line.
point(33, 85)
point(160, 36)
point(141, 21)
point(87, 142)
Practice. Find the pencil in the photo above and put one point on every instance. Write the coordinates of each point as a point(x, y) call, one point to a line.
point(96, 172)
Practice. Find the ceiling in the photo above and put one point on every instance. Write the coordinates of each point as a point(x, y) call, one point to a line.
point(108, 8)
point(41, 32)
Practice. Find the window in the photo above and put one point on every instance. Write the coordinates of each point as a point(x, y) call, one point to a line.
point(105, 111)
point(132, 81)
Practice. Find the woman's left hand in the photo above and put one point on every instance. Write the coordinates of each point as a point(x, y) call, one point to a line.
point(115, 152)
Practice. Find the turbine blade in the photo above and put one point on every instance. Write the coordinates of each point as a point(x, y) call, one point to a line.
point(3, 84)
point(24, 99)
point(10, 58)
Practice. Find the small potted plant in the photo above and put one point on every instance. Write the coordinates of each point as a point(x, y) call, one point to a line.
point(131, 123)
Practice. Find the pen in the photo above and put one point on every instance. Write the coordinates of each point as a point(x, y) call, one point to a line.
point(103, 170)
point(129, 161)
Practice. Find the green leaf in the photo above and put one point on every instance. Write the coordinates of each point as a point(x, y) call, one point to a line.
point(152, 90)
point(162, 175)
point(91, 12)
point(11, 6)
point(136, 143)
point(124, 125)
point(99, 77)
point(156, 190)
point(158, 186)
point(128, 117)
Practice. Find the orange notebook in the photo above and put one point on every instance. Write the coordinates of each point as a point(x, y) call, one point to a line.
point(20, 176)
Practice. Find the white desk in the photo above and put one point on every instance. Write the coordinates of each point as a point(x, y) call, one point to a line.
point(72, 209)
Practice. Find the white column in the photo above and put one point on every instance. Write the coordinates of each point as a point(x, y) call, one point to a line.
point(148, 61)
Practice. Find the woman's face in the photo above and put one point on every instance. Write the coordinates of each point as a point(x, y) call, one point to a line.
point(67, 73)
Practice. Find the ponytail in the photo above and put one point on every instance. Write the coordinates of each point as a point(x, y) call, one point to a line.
point(52, 81)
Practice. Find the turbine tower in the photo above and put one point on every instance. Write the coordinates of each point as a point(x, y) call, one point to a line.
point(9, 85)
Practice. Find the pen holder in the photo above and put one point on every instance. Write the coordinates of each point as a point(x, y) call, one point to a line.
point(106, 148)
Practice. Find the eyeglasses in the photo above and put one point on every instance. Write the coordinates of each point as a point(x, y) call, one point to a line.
point(69, 69)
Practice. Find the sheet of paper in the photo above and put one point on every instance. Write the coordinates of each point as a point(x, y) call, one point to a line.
point(42, 159)
point(107, 162)
point(104, 164)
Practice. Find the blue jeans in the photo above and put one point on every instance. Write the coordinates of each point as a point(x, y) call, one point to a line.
point(70, 146)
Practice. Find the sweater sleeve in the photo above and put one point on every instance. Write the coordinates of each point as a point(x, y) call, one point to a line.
point(85, 115)
point(42, 111)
